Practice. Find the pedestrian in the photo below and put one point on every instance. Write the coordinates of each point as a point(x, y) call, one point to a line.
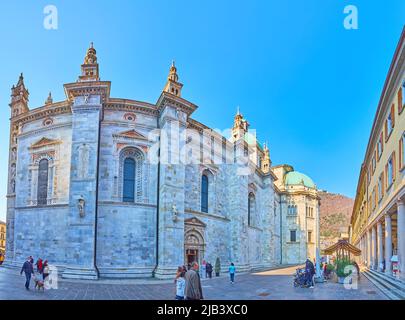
point(232, 270)
point(204, 269)
point(45, 270)
point(1, 258)
point(309, 272)
point(209, 270)
point(193, 289)
point(180, 283)
point(28, 269)
point(39, 265)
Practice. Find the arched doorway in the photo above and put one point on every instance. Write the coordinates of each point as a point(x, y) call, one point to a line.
point(194, 244)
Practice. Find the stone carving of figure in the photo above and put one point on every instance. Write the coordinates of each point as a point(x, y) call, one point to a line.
point(13, 186)
point(84, 156)
point(14, 154)
point(12, 170)
point(81, 206)
point(175, 213)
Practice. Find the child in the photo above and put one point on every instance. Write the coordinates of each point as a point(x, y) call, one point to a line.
point(180, 285)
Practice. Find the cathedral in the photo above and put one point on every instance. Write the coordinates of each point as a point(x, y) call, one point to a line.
point(118, 188)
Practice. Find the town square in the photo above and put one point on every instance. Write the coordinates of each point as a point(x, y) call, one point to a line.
point(202, 151)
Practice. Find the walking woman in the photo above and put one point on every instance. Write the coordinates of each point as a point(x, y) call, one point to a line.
point(232, 270)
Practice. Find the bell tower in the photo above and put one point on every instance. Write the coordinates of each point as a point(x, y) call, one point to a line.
point(266, 162)
point(19, 98)
point(173, 85)
point(240, 127)
point(90, 66)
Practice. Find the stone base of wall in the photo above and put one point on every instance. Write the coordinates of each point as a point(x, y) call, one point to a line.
point(165, 272)
point(130, 273)
point(80, 273)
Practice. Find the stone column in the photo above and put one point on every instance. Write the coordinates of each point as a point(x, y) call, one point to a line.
point(380, 246)
point(374, 248)
point(172, 185)
point(401, 236)
point(81, 221)
point(388, 243)
point(369, 249)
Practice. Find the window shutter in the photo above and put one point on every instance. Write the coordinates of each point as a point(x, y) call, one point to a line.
point(400, 105)
point(386, 175)
point(393, 114)
point(393, 166)
point(382, 184)
point(386, 130)
point(400, 162)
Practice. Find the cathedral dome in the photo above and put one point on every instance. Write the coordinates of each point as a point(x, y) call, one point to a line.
point(297, 178)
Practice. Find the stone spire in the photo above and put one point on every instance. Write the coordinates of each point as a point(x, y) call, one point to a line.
point(19, 98)
point(173, 85)
point(49, 100)
point(266, 162)
point(240, 126)
point(90, 66)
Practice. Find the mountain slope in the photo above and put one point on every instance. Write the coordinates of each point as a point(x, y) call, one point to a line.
point(335, 213)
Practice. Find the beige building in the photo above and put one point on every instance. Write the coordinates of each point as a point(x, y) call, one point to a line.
point(2, 237)
point(378, 218)
point(299, 200)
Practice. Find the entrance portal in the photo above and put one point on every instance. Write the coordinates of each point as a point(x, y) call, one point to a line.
point(194, 244)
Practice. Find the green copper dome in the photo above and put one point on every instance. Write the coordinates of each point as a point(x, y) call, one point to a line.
point(297, 178)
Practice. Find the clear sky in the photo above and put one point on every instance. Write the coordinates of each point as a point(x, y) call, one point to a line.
point(305, 83)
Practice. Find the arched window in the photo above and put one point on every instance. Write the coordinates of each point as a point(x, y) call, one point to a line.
point(251, 209)
point(204, 194)
point(42, 194)
point(129, 180)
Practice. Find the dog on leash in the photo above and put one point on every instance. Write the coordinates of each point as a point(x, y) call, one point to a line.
point(39, 283)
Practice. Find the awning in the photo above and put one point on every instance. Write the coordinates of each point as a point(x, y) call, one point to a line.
point(342, 247)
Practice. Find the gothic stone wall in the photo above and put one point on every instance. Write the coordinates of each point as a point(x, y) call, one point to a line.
point(41, 231)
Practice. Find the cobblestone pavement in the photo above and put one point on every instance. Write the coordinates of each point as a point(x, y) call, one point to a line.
point(275, 285)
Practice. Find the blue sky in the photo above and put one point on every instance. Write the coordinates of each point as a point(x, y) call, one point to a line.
point(305, 83)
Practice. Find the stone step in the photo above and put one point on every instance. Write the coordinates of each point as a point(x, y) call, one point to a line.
point(397, 283)
point(388, 289)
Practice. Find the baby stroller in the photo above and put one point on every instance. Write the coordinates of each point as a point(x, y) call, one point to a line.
point(300, 278)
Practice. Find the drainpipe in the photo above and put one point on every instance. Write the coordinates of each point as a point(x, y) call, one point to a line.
point(96, 209)
point(157, 207)
point(281, 233)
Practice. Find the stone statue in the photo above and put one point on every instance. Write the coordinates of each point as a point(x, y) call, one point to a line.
point(175, 213)
point(81, 206)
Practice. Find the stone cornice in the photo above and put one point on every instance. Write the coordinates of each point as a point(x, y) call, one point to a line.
point(115, 104)
point(75, 89)
point(55, 109)
point(175, 101)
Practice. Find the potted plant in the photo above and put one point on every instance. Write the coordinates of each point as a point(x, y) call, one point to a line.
point(341, 273)
point(217, 267)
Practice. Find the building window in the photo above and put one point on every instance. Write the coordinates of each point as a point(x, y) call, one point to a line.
point(129, 180)
point(390, 171)
point(251, 209)
point(204, 194)
point(401, 151)
point(373, 163)
point(293, 235)
point(380, 146)
point(42, 194)
point(381, 186)
point(389, 123)
point(310, 236)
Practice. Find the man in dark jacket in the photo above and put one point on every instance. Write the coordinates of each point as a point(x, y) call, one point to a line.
point(309, 272)
point(193, 290)
point(28, 269)
point(209, 270)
